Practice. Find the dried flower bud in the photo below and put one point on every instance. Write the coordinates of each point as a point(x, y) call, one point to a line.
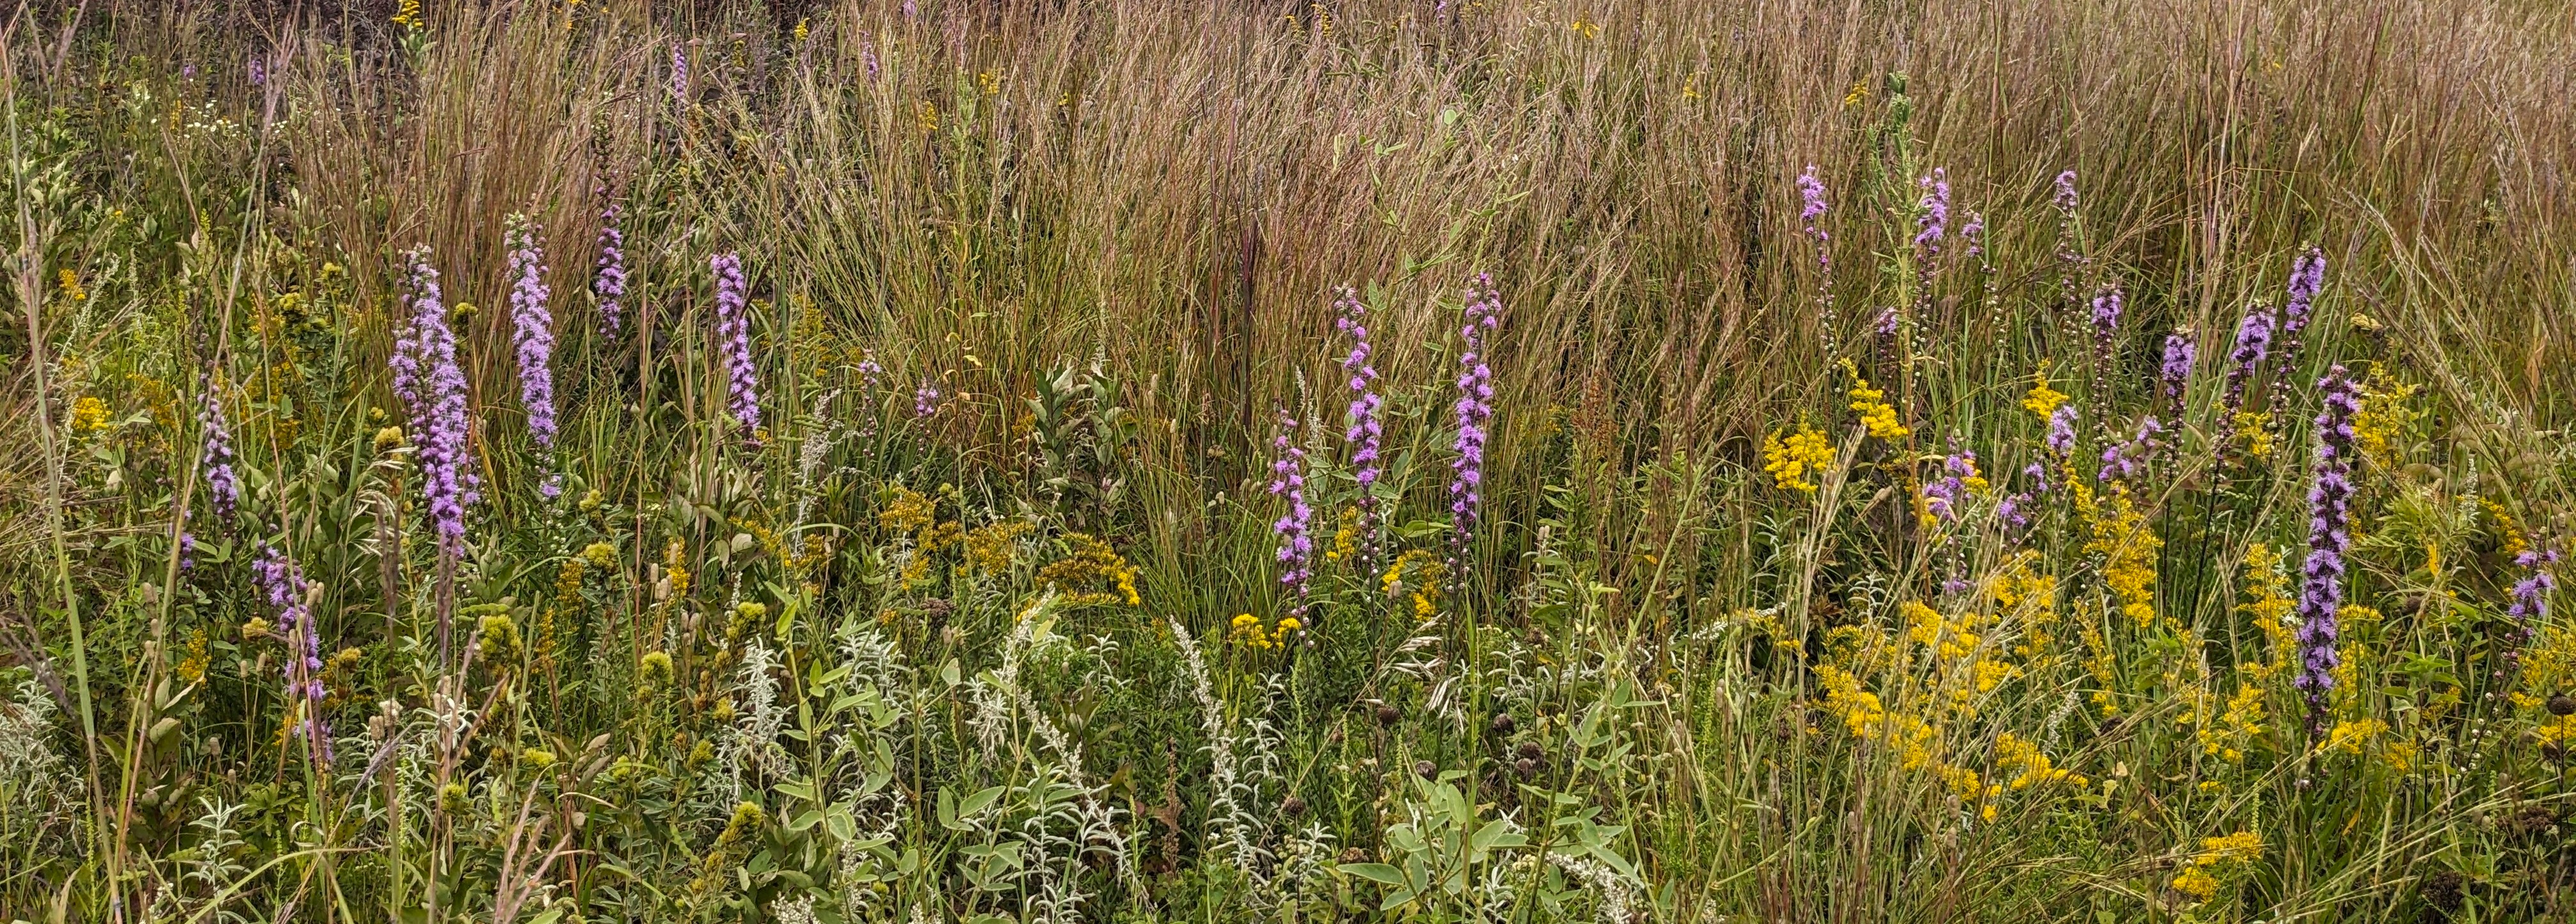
point(1425, 769)
point(2562, 704)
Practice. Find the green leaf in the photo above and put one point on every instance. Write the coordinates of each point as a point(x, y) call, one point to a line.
point(1376, 872)
point(979, 802)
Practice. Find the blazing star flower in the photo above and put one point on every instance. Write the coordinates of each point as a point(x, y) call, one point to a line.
point(1935, 204)
point(1364, 429)
point(287, 592)
point(222, 484)
point(1295, 529)
point(868, 54)
point(610, 282)
point(1944, 498)
point(1474, 411)
point(427, 379)
point(1811, 191)
point(533, 329)
point(2122, 462)
point(187, 550)
point(2175, 373)
point(2061, 429)
point(733, 329)
point(925, 400)
point(679, 75)
point(2307, 278)
point(2531, 594)
point(2066, 200)
point(1974, 232)
point(2329, 536)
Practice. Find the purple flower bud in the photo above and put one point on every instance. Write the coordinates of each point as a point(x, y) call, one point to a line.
point(679, 75)
point(1935, 205)
point(610, 282)
point(222, 485)
point(1474, 411)
point(1297, 527)
point(1363, 430)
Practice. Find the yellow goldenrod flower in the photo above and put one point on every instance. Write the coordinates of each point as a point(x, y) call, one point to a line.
point(1794, 461)
point(1871, 403)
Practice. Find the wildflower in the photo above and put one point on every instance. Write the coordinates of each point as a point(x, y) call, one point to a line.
point(290, 595)
point(1364, 428)
point(2066, 200)
point(1960, 479)
point(2330, 512)
point(533, 327)
point(2123, 461)
point(2061, 430)
point(222, 485)
point(1935, 207)
point(426, 377)
point(1295, 529)
point(1247, 632)
point(925, 399)
point(2218, 855)
point(407, 15)
point(2307, 278)
point(89, 413)
point(609, 285)
point(1792, 462)
point(733, 327)
point(2175, 372)
point(679, 75)
point(2042, 400)
point(1475, 411)
point(1812, 193)
point(1974, 232)
point(1875, 413)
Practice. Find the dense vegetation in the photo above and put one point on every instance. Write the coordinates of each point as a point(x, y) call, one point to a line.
point(1128, 460)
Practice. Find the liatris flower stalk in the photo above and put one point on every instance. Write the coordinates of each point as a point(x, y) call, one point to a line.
point(2106, 333)
point(925, 399)
point(1934, 222)
point(1296, 528)
point(291, 596)
point(1474, 411)
point(2253, 343)
point(1363, 429)
point(2061, 430)
point(533, 329)
point(733, 331)
point(427, 379)
point(1943, 499)
point(2329, 535)
point(2307, 278)
point(610, 282)
point(2123, 462)
point(679, 75)
point(1812, 210)
point(2173, 376)
point(222, 484)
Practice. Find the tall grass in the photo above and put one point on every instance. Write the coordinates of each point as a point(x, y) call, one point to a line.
point(984, 619)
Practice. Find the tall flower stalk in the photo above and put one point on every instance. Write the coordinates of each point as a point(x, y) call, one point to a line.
point(290, 595)
point(1363, 428)
point(2253, 344)
point(1295, 528)
point(533, 329)
point(223, 485)
point(1475, 410)
point(2307, 278)
point(609, 283)
point(1811, 212)
point(432, 387)
point(733, 335)
point(2329, 536)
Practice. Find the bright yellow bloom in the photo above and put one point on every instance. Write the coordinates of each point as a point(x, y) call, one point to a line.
point(1794, 461)
point(2042, 400)
point(1871, 403)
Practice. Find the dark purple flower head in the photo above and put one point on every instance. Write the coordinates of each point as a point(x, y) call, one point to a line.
point(679, 74)
point(2531, 594)
point(533, 329)
point(925, 400)
point(2307, 278)
point(2173, 376)
point(733, 335)
point(2329, 536)
point(431, 385)
point(2106, 313)
point(1935, 205)
point(2123, 461)
point(1812, 191)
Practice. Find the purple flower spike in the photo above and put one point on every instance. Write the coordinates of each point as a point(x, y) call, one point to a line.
point(1935, 204)
point(1364, 429)
point(533, 329)
point(610, 282)
point(1811, 193)
point(1296, 528)
point(222, 484)
point(733, 333)
point(289, 595)
point(1475, 411)
point(2061, 429)
point(679, 75)
point(2173, 376)
point(2329, 536)
point(427, 379)
point(925, 400)
point(2066, 200)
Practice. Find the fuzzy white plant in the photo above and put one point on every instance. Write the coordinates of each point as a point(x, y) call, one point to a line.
point(1618, 897)
point(1233, 828)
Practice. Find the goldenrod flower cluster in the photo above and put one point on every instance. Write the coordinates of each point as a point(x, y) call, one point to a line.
point(2219, 856)
point(1875, 413)
point(1248, 632)
point(1794, 461)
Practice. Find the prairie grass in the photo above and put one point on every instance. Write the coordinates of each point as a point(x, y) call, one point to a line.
point(1782, 600)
